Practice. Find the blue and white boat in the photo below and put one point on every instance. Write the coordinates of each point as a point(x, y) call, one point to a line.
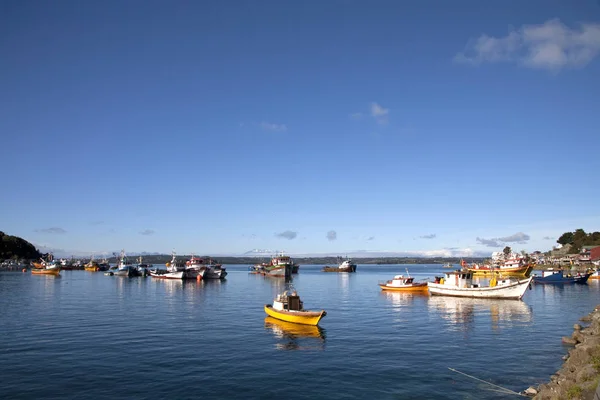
point(558, 276)
point(125, 267)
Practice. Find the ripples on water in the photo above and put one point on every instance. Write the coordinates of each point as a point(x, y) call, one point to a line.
point(87, 336)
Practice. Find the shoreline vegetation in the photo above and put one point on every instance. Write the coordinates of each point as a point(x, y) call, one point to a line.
point(579, 375)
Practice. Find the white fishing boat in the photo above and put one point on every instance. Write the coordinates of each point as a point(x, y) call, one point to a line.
point(343, 266)
point(194, 268)
point(460, 284)
point(172, 271)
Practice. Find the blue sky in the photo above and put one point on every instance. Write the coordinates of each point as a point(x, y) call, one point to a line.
point(415, 127)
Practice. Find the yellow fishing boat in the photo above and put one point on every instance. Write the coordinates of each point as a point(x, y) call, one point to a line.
point(288, 307)
point(92, 265)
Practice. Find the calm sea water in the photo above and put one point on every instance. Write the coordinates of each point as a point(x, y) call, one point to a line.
point(89, 336)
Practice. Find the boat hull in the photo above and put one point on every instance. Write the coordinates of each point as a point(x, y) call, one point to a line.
point(212, 273)
point(523, 271)
point(43, 271)
point(297, 317)
point(338, 269)
point(418, 287)
point(129, 272)
point(168, 275)
point(560, 278)
point(514, 290)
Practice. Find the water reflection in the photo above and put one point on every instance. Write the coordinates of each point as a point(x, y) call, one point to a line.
point(400, 300)
point(296, 336)
point(461, 312)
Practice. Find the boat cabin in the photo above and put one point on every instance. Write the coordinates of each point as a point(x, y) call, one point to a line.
point(288, 301)
point(464, 279)
point(550, 272)
point(401, 280)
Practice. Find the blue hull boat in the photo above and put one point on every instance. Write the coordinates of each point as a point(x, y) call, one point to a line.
point(558, 276)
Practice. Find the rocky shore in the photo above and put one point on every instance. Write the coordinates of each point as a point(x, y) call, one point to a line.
point(579, 376)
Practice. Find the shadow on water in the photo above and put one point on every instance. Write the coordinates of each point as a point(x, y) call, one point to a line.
point(291, 336)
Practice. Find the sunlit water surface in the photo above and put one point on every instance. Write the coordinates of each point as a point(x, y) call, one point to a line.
point(87, 336)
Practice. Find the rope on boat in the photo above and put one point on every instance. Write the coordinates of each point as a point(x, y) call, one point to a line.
point(501, 389)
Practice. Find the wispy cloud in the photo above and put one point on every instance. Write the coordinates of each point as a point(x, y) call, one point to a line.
point(54, 230)
point(488, 242)
point(370, 238)
point(289, 235)
point(147, 232)
point(269, 126)
point(356, 115)
point(331, 235)
point(379, 113)
point(551, 46)
point(547, 238)
point(431, 236)
point(519, 237)
point(96, 222)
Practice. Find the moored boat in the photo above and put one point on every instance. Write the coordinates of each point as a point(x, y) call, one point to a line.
point(173, 271)
point(124, 267)
point(280, 266)
point(193, 268)
point(507, 265)
point(343, 266)
point(558, 276)
point(46, 267)
point(91, 266)
point(460, 284)
point(142, 268)
point(402, 283)
point(287, 306)
point(595, 274)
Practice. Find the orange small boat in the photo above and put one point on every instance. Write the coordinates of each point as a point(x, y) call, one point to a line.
point(46, 267)
point(402, 283)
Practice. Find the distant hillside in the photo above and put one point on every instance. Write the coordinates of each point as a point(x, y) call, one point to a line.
point(16, 248)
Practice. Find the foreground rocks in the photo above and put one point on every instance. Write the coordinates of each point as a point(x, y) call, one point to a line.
point(579, 376)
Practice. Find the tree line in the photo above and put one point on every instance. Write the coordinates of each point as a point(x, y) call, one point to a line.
point(13, 247)
point(579, 238)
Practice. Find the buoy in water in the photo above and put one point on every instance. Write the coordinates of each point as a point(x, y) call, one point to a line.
point(24, 269)
point(199, 278)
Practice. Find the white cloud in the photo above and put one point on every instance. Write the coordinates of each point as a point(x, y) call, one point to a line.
point(379, 113)
point(551, 45)
point(147, 232)
point(269, 126)
point(356, 115)
point(430, 236)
